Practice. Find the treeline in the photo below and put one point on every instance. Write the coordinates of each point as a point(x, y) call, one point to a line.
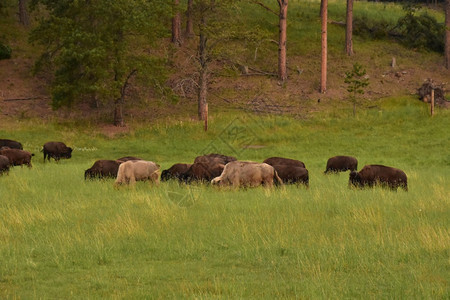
point(94, 49)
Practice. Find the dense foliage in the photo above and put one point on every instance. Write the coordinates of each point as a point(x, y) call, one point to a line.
point(93, 47)
point(418, 31)
point(421, 31)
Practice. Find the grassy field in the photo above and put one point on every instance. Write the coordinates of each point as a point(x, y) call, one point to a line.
point(62, 237)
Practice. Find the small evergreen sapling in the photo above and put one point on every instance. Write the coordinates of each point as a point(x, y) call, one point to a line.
point(356, 82)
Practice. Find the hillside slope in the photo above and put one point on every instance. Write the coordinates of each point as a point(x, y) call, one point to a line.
point(23, 95)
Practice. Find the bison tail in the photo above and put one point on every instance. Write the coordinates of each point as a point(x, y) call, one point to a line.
point(276, 179)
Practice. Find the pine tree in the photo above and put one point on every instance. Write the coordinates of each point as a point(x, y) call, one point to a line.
point(356, 82)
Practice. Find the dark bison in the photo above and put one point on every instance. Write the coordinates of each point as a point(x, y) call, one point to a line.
point(175, 171)
point(127, 158)
point(371, 175)
point(202, 172)
point(56, 150)
point(11, 144)
point(17, 157)
point(284, 161)
point(4, 164)
point(341, 163)
point(292, 174)
point(214, 159)
point(103, 169)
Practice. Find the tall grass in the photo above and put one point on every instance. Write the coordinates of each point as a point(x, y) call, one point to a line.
point(61, 236)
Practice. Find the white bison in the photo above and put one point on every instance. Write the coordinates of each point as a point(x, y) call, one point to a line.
point(137, 170)
point(248, 174)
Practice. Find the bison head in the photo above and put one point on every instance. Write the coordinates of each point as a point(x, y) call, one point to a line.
point(216, 181)
point(354, 178)
point(67, 153)
point(165, 175)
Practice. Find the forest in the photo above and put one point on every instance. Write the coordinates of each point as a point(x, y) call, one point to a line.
point(98, 54)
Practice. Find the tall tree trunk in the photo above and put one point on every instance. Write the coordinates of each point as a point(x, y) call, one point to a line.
point(189, 22)
point(24, 19)
point(447, 34)
point(176, 24)
point(349, 29)
point(282, 73)
point(323, 81)
point(203, 79)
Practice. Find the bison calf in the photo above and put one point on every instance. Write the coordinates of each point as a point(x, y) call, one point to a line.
point(202, 172)
point(214, 159)
point(175, 172)
point(103, 169)
point(284, 161)
point(341, 163)
point(371, 175)
point(10, 144)
point(17, 157)
point(248, 174)
point(137, 170)
point(56, 150)
point(127, 158)
point(292, 174)
point(4, 164)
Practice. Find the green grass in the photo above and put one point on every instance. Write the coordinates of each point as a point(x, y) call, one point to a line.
point(62, 237)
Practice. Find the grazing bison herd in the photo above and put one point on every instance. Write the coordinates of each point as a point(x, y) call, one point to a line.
point(217, 169)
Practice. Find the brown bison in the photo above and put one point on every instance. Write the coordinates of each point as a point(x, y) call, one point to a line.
point(201, 172)
point(56, 150)
point(103, 169)
point(127, 158)
point(247, 174)
point(137, 170)
point(17, 157)
point(10, 144)
point(4, 164)
point(371, 175)
point(341, 163)
point(175, 171)
point(292, 174)
point(214, 159)
point(283, 161)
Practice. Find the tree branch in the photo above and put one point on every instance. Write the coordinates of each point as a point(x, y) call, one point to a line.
point(265, 7)
point(25, 99)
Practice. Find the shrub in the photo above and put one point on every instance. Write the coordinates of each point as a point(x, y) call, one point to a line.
point(371, 29)
point(5, 51)
point(421, 32)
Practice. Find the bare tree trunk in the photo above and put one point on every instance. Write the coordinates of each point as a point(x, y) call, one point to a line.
point(189, 21)
point(118, 103)
point(202, 94)
point(118, 112)
point(282, 73)
point(323, 81)
point(349, 29)
point(203, 79)
point(176, 24)
point(447, 34)
point(24, 19)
